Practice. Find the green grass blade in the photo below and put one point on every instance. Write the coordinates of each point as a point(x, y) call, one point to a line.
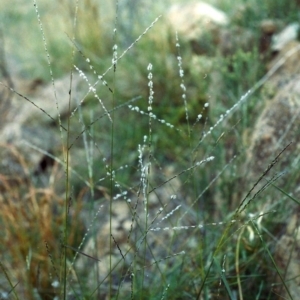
point(223, 278)
point(272, 260)
point(286, 194)
point(8, 279)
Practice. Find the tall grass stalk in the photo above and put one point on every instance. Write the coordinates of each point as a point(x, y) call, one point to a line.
point(112, 177)
point(66, 157)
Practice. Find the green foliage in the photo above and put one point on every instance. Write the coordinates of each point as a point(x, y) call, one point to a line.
point(106, 156)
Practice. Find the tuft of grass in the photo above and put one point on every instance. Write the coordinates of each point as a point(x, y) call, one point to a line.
point(150, 165)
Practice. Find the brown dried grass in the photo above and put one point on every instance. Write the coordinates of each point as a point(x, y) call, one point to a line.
point(31, 219)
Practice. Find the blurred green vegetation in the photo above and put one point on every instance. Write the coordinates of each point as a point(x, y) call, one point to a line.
point(215, 79)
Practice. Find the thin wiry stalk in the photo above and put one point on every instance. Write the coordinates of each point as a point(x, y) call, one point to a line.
point(272, 260)
point(27, 99)
point(60, 162)
point(66, 153)
point(153, 117)
point(225, 235)
point(50, 69)
point(208, 186)
point(88, 146)
point(223, 278)
point(204, 280)
point(243, 203)
point(2, 267)
point(285, 193)
point(67, 185)
point(139, 245)
point(131, 46)
point(251, 91)
point(146, 169)
point(86, 127)
point(197, 164)
point(165, 291)
point(183, 87)
point(101, 77)
point(114, 63)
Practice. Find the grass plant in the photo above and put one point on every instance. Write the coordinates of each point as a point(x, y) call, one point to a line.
point(145, 197)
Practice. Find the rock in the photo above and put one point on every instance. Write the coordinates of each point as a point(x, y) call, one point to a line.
point(206, 29)
point(288, 34)
point(287, 65)
point(23, 111)
point(279, 121)
point(191, 20)
point(276, 127)
point(287, 256)
point(26, 127)
point(198, 23)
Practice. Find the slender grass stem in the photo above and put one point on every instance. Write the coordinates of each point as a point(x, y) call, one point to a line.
point(112, 179)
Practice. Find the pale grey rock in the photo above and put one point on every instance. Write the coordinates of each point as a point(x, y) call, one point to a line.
point(288, 34)
point(276, 127)
point(194, 19)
